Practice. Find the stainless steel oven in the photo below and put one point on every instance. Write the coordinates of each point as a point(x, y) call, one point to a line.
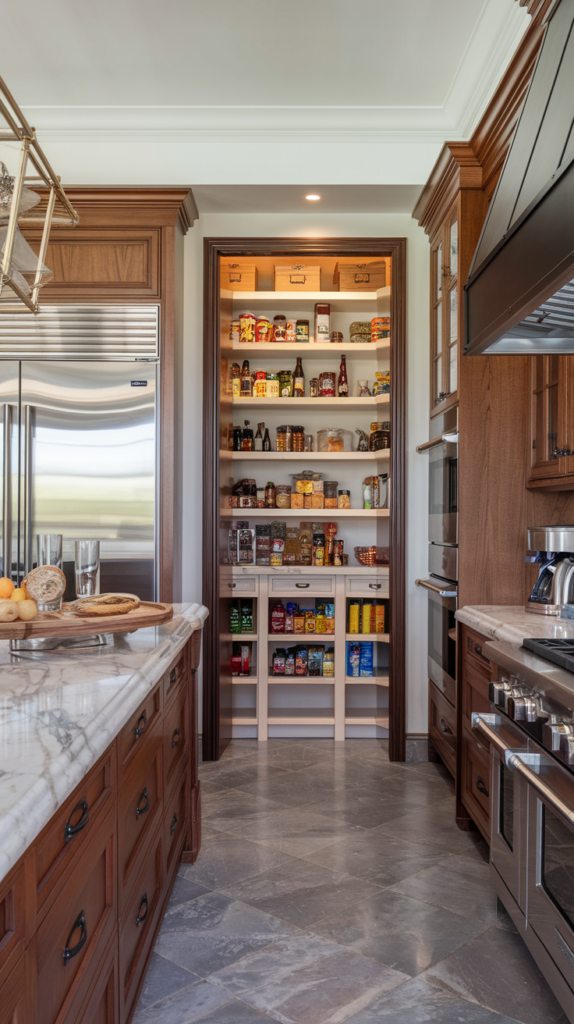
point(441, 635)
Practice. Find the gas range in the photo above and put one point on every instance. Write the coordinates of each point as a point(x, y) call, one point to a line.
point(561, 652)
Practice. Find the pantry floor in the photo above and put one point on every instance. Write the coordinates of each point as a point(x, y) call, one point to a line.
point(333, 885)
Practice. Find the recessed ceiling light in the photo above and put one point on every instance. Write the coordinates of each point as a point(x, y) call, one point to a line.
point(313, 198)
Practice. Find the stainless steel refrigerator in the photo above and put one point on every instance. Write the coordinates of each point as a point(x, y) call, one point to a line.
point(79, 389)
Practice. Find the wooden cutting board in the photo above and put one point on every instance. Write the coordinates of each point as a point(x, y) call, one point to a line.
point(64, 624)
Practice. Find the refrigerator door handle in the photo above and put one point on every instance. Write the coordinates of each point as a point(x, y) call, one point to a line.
point(7, 493)
point(28, 412)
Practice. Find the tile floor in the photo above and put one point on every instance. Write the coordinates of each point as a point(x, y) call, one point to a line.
point(333, 886)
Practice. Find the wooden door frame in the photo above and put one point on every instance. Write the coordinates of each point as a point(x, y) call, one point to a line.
point(396, 248)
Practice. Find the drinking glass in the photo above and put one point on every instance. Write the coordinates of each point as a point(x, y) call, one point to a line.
point(87, 568)
point(50, 549)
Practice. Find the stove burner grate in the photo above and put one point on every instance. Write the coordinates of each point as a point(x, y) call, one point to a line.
point(560, 652)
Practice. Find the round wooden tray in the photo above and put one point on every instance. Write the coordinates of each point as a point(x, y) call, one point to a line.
point(65, 624)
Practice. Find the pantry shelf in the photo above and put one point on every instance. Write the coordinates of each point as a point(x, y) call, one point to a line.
point(238, 636)
point(310, 350)
point(239, 680)
point(301, 716)
point(248, 718)
point(351, 402)
point(328, 680)
point(340, 302)
point(366, 716)
point(382, 680)
point(312, 514)
point(301, 637)
point(356, 637)
point(380, 456)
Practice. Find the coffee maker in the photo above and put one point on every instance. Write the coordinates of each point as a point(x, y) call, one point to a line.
point(552, 547)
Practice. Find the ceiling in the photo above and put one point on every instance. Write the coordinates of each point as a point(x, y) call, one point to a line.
point(291, 198)
point(257, 91)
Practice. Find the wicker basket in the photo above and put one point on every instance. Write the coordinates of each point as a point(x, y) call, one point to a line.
point(372, 555)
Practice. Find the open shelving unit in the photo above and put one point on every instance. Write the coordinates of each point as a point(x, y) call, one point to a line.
point(341, 705)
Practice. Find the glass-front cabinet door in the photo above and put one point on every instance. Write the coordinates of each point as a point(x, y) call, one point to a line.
point(548, 417)
point(444, 315)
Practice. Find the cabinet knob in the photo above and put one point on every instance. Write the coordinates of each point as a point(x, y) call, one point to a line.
point(231, 586)
point(172, 676)
point(72, 830)
point(143, 803)
point(73, 951)
point(445, 728)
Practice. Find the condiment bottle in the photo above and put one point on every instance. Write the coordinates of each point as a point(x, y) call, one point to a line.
point(246, 386)
point(246, 438)
point(270, 495)
point(266, 441)
point(342, 384)
point(299, 380)
point(258, 439)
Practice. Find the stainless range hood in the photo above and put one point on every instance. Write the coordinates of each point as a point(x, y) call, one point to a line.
point(519, 298)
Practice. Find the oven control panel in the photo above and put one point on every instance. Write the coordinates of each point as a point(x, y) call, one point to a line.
point(550, 725)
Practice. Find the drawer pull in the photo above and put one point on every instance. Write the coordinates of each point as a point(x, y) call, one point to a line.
point(72, 830)
point(302, 586)
point(232, 586)
point(173, 825)
point(481, 785)
point(144, 905)
point(445, 727)
point(140, 725)
point(175, 738)
point(375, 586)
point(478, 650)
point(172, 676)
point(80, 923)
point(142, 807)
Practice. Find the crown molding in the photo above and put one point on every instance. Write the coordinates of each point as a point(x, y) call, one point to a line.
point(168, 206)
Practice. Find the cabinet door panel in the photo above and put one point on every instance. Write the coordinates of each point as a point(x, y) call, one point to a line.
point(548, 417)
point(139, 810)
point(17, 995)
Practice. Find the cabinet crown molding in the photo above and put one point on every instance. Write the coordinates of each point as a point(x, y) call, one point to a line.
point(127, 206)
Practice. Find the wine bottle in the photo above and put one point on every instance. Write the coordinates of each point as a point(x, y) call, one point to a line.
point(343, 386)
point(258, 440)
point(247, 438)
point(246, 383)
point(299, 380)
point(266, 441)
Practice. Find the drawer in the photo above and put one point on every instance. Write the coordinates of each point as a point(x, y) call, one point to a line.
point(442, 727)
point(475, 790)
point(102, 1004)
point(368, 586)
point(139, 810)
point(474, 692)
point(71, 941)
point(12, 921)
point(138, 925)
point(140, 724)
point(194, 646)
point(175, 737)
point(472, 645)
point(175, 822)
point(175, 677)
point(240, 585)
point(302, 585)
point(17, 996)
point(71, 828)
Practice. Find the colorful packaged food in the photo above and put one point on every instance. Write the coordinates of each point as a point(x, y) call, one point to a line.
point(235, 663)
point(299, 622)
point(301, 661)
point(353, 659)
point(317, 500)
point(279, 657)
point(344, 499)
point(315, 661)
point(290, 663)
point(245, 659)
point(380, 618)
point(366, 659)
point(272, 390)
point(354, 610)
point(279, 327)
point(366, 617)
point(247, 323)
point(380, 328)
point(277, 548)
point(260, 385)
point(291, 331)
point(278, 617)
point(329, 663)
point(297, 500)
point(302, 330)
point(263, 329)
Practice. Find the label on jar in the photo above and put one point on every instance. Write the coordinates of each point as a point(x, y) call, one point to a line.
point(322, 325)
point(299, 386)
point(291, 331)
point(302, 331)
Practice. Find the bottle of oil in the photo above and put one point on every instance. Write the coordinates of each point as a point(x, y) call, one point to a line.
point(299, 380)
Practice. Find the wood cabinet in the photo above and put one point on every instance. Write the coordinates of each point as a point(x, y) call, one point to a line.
point(444, 313)
point(550, 455)
point(80, 912)
point(474, 751)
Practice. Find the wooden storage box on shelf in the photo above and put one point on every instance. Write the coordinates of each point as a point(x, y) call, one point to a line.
point(442, 727)
point(298, 278)
point(360, 277)
point(238, 277)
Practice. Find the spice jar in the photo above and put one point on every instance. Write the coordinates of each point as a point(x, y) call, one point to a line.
point(336, 337)
point(327, 385)
point(270, 495)
point(283, 496)
point(279, 327)
point(314, 387)
point(302, 330)
point(344, 499)
point(280, 441)
point(247, 323)
point(298, 439)
point(288, 438)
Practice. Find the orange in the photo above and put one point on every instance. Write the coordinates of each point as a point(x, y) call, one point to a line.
point(6, 587)
point(18, 595)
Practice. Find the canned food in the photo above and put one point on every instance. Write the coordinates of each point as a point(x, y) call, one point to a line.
point(302, 330)
point(279, 327)
point(263, 329)
point(291, 331)
point(247, 323)
point(327, 385)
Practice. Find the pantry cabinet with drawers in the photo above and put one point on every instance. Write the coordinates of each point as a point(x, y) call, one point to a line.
point(80, 911)
point(337, 682)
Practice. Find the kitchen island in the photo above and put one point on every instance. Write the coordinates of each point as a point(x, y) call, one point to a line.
point(99, 801)
point(512, 623)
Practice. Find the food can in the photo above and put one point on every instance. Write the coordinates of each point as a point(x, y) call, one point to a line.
point(285, 378)
point(327, 385)
point(291, 331)
point(336, 337)
point(263, 329)
point(247, 323)
point(279, 327)
point(380, 328)
point(260, 385)
point(302, 330)
point(234, 332)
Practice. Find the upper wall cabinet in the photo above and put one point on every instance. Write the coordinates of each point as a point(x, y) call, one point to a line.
point(551, 441)
point(444, 314)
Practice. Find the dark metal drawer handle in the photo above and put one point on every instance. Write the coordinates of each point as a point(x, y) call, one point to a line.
point(139, 808)
point(140, 725)
point(172, 676)
point(478, 650)
point(481, 785)
point(143, 903)
point(445, 727)
point(173, 825)
point(80, 923)
point(375, 586)
point(175, 738)
point(302, 586)
point(232, 586)
point(72, 830)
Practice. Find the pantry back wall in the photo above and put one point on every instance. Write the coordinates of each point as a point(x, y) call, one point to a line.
point(190, 400)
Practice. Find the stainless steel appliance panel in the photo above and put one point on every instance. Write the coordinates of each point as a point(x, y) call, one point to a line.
point(443, 561)
point(88, 458)
point(443, 489)
point(9, 406)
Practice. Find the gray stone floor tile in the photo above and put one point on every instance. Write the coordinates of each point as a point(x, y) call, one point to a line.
point(306, 981)
point(356, 772)
point(301, 893)
point(432, 825)
point(419, 1002)
point(398, 931)
point(163, 978)
point(378, 858)
point(296, 831)
point(185, 889)
point(213, 931)
point(236, 1012)
point(234, 774)
point(295, 789)
point(183, 1007)
point(228, 859)
point(457, 884)
point(233, 808)
point(415, 789)
point(497, 971)
point(362, 806)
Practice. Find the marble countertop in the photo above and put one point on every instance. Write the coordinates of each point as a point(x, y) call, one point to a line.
point(59, 712)
point(512, 623)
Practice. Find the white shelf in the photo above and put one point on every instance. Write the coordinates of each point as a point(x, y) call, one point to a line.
point(383, 637)
point(366, 716)
point(238, 636)
point(306, 570)
point(312, 514)
point(302, 636)
point(329, 680)
point(382, 680)
point(382, 455)
point(350, 402)
point(339, 301)
point(311, 349)
point(301, 716)
point(249, 716)
point(238, 680)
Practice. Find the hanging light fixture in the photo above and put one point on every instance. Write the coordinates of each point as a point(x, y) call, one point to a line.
point(22, 271)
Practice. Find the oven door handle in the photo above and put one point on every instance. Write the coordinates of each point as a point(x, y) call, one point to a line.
point(437, 590)
point(450, 437)
point(486, 725)
point(515, 762)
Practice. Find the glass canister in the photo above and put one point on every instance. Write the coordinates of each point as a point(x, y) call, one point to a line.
point(280, 440)
point(283, 496)
point(330, 439)
point(344, 499)
point(308, 443)
point(288, 438)
point(327, 385)
point(298, 439)
point(330, 491)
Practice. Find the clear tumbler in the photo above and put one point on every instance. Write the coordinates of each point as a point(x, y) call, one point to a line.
point(87, 568)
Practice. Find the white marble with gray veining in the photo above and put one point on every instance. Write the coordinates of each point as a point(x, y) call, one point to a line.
point(60, 711)
point(512, 623)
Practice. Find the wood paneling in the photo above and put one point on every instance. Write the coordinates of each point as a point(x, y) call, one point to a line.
point(91, 264)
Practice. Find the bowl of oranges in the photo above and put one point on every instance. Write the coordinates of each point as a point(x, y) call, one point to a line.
point(15, 603)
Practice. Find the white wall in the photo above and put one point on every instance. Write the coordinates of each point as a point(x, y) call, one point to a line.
point(317, 226)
